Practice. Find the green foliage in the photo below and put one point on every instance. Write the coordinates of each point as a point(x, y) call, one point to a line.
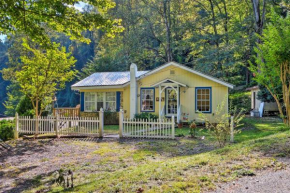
point(241, 100)
point(146, 116)
point(273, 64)
point(6, 130)
point(43, 73)
point(24, 107)
point(265, 96)
point(37, 19)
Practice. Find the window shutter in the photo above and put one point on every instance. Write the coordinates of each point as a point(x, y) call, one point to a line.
point(118, 100)
point(82, 101)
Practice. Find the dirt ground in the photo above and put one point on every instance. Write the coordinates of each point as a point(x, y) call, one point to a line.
point(31, 161)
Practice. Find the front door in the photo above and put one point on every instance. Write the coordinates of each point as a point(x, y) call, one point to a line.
point(171, 102)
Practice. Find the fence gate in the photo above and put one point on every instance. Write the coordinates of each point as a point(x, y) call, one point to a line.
point(139, 128)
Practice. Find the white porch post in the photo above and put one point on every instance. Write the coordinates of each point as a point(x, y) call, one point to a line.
point(160, 110)
point(178, 109)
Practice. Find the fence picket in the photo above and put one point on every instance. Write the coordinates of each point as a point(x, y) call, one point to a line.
point(88, 126)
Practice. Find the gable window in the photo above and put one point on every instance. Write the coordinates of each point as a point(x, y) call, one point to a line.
point(94, 101)
point(147, 99)
point(203, 99)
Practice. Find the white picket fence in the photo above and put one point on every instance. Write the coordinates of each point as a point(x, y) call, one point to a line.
point(137, 128)
point(70, 126)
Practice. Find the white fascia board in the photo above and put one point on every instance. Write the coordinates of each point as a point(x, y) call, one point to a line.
point(96, 87)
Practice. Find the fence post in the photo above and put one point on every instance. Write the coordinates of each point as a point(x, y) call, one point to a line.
point(101, 119)
point(121, 118)
point(232, 129)
point(16, 126)
point(173, 126)
point(56, 125)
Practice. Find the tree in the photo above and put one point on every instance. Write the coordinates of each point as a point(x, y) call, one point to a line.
point(37, 19)
point(42, 73)
point(273, 59)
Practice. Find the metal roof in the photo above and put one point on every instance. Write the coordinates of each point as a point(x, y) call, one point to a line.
point(107, 79)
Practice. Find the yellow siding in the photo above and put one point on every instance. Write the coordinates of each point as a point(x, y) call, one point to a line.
point(187, 95)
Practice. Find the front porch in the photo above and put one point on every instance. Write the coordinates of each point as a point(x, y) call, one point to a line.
point(172, 104)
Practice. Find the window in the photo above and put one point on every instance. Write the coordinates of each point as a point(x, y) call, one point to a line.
point(90, 102)
point(96, 101)
point(171, 102)
point(203, 100)
point(110, 101)
point(100, 100)
point(147, 99)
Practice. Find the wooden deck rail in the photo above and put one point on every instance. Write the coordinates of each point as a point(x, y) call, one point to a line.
point(67, 112)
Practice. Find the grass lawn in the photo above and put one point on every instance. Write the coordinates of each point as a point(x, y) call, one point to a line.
point(182, 165)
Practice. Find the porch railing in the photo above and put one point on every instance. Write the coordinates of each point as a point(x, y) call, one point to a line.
point(66, 112)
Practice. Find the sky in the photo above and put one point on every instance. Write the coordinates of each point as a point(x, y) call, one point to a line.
point(78, 6)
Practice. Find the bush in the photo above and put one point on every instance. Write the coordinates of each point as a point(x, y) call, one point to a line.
point(241, 100)
point(146, 116)
point(220, 127)
point(6, 130)
point(24, 107)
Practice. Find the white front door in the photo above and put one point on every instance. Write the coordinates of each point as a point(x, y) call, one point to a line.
point(171, 102)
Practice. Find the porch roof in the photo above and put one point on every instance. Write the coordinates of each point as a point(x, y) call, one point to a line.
point(168, 82)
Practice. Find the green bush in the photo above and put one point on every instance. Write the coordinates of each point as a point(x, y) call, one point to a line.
point(240, 100)
point(6, 129)
point(24, 107)
point(146, 116)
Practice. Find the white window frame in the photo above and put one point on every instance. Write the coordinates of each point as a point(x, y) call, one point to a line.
point(89, 101)
point(95, 101)
point(152, 99)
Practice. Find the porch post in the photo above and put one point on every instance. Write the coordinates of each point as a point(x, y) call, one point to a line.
point(121, 119)
point(178, 109)
point(160, 110)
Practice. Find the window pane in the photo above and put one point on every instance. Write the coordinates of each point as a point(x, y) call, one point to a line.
point(203, 100)
point(147, 99)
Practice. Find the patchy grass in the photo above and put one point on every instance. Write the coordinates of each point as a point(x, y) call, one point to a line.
point(111, 129)
point(183, 165)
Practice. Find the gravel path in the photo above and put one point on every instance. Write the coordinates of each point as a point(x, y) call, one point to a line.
point(268, 181)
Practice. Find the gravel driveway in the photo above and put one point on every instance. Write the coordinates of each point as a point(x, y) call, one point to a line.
point(268, 181)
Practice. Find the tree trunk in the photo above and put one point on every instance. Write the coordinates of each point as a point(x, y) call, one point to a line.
point(166, 8)
point(259, 17)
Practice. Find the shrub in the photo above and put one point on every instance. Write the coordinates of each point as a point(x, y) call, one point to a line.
point(24, 107)
point(6, 130)
point(241, 100)
point(220, 127)
point(146, 116)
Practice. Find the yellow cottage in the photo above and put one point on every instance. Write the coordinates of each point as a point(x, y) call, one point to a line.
point(169, 90)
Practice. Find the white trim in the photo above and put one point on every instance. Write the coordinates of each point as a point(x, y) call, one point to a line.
point(163, 81)
point(95, 87)
point(187, 69)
